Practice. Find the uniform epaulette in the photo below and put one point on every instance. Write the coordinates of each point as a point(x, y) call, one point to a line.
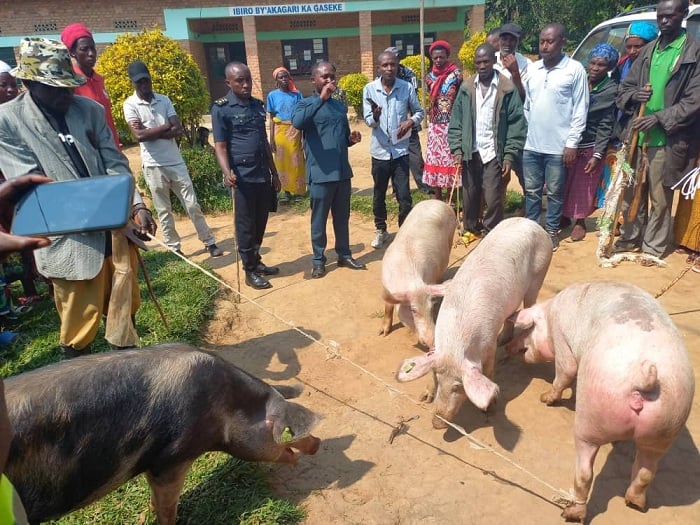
point(221, 101)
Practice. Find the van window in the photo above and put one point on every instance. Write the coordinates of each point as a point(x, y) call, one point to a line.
point(612, 34)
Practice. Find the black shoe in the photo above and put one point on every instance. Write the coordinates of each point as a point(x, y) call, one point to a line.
point(266, 270)
point(214, 250)
point(69, 352)
point(318, 271)
point(349, 262)
point(128, 347)
point(257, 281)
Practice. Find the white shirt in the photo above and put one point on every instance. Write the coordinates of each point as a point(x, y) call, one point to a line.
point(159, 152)
point(484, 136)
point(556, 106)
point(523, 63)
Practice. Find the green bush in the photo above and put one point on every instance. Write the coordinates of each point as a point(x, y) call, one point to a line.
point(468, 50)
point(207, 179)
point(174, 73)
point(353, 84)
point(413, 62)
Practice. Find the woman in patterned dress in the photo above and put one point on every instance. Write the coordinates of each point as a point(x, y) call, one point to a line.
point(443, 81)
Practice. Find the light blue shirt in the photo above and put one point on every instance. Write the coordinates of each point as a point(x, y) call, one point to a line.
point(556, 106)
point(396, 106)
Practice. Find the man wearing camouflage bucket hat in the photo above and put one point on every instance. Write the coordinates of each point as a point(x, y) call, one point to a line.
point(49, 130)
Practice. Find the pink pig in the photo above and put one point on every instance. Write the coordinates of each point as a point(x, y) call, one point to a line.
point(506, 269)
point(634, 379)
point(413, 265)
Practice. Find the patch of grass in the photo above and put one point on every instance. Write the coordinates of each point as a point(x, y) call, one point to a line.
point(218, 488)
point(514, 201)
point(362, 204)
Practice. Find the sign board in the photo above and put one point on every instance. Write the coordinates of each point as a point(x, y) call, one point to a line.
point(288, 9)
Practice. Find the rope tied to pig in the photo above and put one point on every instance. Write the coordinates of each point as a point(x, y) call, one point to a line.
point(332, 349)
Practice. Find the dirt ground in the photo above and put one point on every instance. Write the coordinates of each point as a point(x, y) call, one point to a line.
point(425, 475)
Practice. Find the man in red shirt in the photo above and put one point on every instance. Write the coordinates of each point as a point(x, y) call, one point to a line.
point(81, 46)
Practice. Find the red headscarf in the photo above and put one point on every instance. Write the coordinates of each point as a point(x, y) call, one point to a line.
point(291, 85)
point(442, 73)
point(74, 32)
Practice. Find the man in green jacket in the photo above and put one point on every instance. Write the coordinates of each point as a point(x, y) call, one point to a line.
point(486, 136)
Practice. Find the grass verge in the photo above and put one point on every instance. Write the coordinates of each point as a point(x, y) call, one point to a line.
point(218, 488)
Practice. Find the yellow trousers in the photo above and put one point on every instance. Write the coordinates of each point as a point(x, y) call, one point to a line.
point(114, 292)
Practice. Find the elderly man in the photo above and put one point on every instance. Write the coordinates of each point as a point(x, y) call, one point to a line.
point(669, 127)
point(391, 109)
point(154, 122)
point(556, 106)
point(509, 62)
point(49, 129)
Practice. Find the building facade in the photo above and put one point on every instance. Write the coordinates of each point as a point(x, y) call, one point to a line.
point(264, 35)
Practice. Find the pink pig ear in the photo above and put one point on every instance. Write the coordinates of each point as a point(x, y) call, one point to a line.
point(415, 367)
point(522, 319)
point(439, 290)
point(479, 389)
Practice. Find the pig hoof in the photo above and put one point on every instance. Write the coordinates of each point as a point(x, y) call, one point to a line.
point(636, 501)
point(574, 513)
point(439, 424)
point(549, 398)
point(427, 397)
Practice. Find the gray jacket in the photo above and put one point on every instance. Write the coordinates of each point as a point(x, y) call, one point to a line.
point(28, 144)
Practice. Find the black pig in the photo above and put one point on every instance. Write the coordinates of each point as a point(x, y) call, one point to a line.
point(85, 426)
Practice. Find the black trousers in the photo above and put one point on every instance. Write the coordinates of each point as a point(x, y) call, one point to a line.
point(334, 198)
point(478, 177)
point(252, 202)
point(395, 170)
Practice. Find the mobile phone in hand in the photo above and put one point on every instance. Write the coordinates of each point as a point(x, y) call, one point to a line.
point(81, 205)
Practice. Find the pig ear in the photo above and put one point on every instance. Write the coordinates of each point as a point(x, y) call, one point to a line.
point(439, 290)
point(522, 319)
point(479, 389)
point(289, 391)
point(415, 367)
point(290, 422)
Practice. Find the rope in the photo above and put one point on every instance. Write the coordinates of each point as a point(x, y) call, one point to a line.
point(689, 183)
point(333, 352)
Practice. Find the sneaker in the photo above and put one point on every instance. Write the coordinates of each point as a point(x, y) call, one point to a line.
point(554, 237)
point(380, 237)
point(214, 250)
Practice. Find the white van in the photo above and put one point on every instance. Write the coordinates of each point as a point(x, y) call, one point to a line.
point(613, 31)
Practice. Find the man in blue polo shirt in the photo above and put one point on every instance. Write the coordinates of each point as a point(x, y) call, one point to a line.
point(392, 110)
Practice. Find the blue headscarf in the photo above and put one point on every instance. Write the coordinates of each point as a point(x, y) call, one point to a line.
point(644, 30)
point(605, 51)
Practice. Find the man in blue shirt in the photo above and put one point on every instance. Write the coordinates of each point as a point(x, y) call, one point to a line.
point(387, 103)
point(327, 136)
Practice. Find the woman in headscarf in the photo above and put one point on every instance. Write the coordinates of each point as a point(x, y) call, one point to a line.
point(583, 177)
point(443, 81)
point(638, 35)
point(285, 139)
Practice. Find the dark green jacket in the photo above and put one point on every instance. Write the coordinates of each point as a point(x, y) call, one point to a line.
point(509, 121)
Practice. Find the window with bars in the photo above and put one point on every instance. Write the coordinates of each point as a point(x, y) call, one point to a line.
point(301, 24)
point(126, 24)
point(226, 27)
point(46, 27)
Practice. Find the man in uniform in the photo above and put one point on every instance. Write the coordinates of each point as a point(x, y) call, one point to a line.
point(244, 155)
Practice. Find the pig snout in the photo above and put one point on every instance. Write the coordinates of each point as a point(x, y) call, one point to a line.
point(307, 446)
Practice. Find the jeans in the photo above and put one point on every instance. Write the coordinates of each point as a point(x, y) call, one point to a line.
point(395, 170)
point(540, 170)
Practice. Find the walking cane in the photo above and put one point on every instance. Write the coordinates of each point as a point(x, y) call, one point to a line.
point(628, 160)
point(237, 299)
point(641, 172)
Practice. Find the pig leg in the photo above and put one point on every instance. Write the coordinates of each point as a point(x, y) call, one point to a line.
point(388, 319)
point(165, 491)
point(428, 395)
point(566, 368)
point(533, 290)
point(585, 456)
point(643, 472)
